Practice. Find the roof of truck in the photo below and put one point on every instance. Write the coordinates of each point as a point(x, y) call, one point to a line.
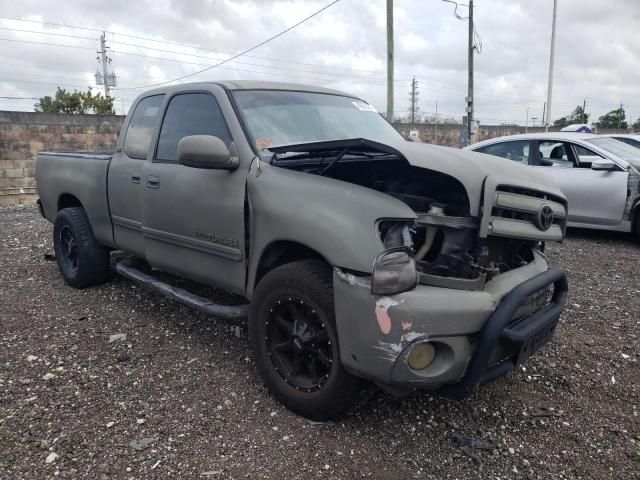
point(248, 85)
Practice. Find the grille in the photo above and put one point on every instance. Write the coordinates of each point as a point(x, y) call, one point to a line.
point(524, 213)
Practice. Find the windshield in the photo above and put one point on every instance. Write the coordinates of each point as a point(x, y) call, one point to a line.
point(286, 117)
point(619, 149)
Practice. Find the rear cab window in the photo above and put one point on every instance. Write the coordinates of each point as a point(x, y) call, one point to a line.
point(143, 121)
point(190, 114)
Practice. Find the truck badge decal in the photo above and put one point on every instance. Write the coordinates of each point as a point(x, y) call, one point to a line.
point(218, 239)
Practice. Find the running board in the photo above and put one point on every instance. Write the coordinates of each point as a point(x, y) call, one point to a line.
point(127, 268)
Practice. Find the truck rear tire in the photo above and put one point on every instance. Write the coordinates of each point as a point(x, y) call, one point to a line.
point(293, 336)
point(83, 262)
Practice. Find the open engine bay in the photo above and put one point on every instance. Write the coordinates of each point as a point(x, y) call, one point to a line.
point(444, 238)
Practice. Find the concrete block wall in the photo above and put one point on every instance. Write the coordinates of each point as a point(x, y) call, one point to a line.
point(449, 135)
point(24, 134)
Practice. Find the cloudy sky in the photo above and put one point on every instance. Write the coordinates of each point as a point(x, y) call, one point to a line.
point(343, 47)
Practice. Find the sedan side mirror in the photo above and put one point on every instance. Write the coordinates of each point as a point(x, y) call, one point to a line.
point(206, 151)
point(603, 164)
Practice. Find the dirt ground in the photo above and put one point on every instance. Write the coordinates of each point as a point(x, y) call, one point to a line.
point(180, 398)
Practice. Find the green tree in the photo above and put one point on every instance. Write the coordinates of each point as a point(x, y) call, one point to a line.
point(75, 102)
point(561, 122)
point(636, 124)
point(577, 116)
point(614, 119)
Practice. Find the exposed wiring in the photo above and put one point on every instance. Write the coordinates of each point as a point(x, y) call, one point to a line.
point(477, 40)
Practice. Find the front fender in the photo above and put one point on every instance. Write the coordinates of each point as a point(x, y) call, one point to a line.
point(336, 219)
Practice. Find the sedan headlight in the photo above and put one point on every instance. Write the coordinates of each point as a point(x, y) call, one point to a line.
point(394, 271)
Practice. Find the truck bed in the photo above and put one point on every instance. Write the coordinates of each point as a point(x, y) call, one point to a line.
point(72, 178)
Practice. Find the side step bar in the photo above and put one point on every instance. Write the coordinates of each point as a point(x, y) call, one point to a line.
point(127, 268)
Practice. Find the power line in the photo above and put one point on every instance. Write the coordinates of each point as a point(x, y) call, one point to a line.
point(429, 81)
point(47, 33)
point(184, 45)
point(19, 98)
point(273, 37)
point(45, 43)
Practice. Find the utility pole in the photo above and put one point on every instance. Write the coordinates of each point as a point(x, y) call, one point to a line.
point(544, 111)
point(470, 79)
point(103, 54)
point(390, 60)
point(105, 78)
point(435, 140)
point(620, 116)
point(551, 58)
point(414, 99)
point(526, 122)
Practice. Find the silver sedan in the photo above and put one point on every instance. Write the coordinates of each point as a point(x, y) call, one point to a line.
point(632, 139)
point(599, 175)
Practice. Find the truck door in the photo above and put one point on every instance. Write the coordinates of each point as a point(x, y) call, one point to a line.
point(193, 218)
point(595, 197)
point(125, 174)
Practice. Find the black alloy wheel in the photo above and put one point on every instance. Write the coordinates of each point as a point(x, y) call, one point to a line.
point(68, 249)
point(294, 339)
point(82, 260)
point(298, 344)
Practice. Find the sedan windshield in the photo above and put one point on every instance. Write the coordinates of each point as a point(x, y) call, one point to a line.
point(619, 149)
point(279, 117)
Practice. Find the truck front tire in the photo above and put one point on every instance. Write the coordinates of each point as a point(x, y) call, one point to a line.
point(83, 262)
point(293, 336)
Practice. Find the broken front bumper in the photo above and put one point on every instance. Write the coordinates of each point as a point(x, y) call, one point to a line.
point(527, 334)
point(474, 332)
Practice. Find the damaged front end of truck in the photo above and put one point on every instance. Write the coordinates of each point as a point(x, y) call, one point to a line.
point(460, 291)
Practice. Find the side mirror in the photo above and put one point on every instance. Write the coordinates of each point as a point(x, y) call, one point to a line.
point(603, 164)
point(206, 151)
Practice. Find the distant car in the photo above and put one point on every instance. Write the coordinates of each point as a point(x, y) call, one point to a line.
point(599, 175)
point(577, 127)
point(632, 139)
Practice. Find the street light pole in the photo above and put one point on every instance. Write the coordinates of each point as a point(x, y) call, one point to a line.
point(551, 58)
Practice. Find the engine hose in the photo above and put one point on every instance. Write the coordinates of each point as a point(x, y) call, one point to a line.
point(428, 242)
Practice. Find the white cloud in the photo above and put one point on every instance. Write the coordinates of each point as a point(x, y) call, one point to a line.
point(343, 48)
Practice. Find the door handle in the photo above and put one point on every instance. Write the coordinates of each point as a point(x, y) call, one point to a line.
point(153, 181)
point(135, 177)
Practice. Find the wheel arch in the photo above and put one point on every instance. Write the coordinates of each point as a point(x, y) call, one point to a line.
point(277, 253)
point(67, 200)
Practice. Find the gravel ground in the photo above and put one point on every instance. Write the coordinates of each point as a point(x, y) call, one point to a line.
point(179, 397)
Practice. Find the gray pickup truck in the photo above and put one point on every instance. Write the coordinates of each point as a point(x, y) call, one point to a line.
point(361, 256)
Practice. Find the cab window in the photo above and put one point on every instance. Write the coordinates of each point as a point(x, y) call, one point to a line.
point(555, 154)
point(139, 133)
point(585, 156)
point(517, 150)
point(190, 114)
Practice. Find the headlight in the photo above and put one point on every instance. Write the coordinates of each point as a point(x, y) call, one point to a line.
point(394, 271)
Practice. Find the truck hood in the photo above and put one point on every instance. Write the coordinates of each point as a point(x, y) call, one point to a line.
point(470, 168)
